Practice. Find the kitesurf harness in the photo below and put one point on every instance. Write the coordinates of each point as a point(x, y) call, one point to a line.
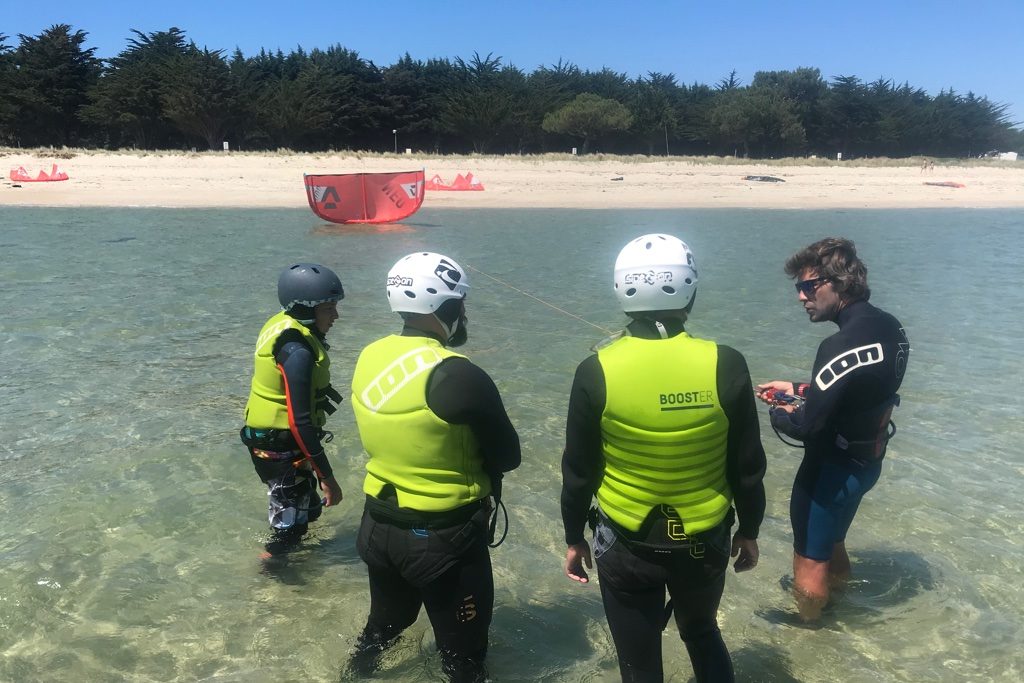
point(859, 450)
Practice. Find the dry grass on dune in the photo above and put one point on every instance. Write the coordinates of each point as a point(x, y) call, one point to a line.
point(65, 153)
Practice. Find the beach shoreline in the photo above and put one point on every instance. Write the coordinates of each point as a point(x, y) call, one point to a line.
point(274, 180)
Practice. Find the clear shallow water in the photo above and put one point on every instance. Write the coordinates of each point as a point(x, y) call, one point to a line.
point(133, 518)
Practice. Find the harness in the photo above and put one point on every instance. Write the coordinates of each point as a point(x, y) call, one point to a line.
point(862, 451)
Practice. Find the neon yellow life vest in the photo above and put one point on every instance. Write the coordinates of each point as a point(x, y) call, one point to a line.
point(434, 466)
point(664, 432)
point(267, 407)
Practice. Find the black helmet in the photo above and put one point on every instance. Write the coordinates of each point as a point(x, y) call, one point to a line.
point(308, 284)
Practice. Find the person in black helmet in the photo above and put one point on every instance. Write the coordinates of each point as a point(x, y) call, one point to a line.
point(290, 400)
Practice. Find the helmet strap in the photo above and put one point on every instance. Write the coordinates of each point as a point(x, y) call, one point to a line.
point(449, 330)
point(662, 332)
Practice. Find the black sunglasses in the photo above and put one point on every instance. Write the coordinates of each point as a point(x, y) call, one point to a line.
point(808, 287)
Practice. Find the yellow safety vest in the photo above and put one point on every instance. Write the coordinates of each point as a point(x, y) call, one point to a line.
point(267, 407)
point(434, 466)
point(664, 432)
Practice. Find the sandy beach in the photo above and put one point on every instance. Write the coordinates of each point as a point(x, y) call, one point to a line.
point(260, 180)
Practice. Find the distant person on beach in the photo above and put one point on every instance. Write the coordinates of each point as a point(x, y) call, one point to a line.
point(662, 428)
point(843, 418)
point(290, 400)
point(439, 441)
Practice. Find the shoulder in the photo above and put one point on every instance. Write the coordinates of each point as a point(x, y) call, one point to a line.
point(591, 363)
point(729, 355)
point(461, 369)
point(291, 342)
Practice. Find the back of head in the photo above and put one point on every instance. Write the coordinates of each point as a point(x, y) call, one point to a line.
point(422, 282)
point(835, 258)
point(302, 286)
point(656, 273)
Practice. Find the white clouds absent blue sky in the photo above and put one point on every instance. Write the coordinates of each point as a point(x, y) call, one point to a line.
point(967, 46)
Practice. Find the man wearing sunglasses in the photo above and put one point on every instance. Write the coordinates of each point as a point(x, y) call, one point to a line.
point(844, 417)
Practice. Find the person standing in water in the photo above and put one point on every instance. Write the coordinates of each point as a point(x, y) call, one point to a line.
point(290, 399)
point(439, 442)
point(843, 419)
point(662, 428)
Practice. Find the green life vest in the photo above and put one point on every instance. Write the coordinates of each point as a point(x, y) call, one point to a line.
point(664, 432)
point(434, 466)
point(267, 407)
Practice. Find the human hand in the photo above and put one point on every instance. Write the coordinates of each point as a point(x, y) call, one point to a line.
point(332, 491)
point(766, 392)
point(576, 556)
point(747, 550)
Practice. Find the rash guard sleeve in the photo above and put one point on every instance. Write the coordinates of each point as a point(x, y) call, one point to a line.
point(583, 457)
point(460, 392)
point(296, 361)
point(745, 459)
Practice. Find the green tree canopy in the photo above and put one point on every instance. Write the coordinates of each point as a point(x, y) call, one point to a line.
point(127, 101)
point(7, 108)
point(589, 117)
point(200, 95)
point(53, 74)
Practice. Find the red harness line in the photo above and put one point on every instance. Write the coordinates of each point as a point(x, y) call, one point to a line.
point(295, 431)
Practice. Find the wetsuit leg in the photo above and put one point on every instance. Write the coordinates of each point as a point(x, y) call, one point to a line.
point(292, 502)
point(394, 601)
point(633, 592)
point(460, 604)
point(695, 585)
point(824, 501)
point(696, 612)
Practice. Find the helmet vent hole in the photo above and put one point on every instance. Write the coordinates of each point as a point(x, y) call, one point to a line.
point(689, 281)
point(431, 290)
point(411, 295)
point(631, 291)
point(649, 245)
point(668, 290)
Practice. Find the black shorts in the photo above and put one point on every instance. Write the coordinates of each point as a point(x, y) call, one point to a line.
point(445, 570)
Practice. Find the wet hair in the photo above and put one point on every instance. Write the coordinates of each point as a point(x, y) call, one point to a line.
point(836, 259)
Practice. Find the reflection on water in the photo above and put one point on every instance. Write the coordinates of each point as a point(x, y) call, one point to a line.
point(360, 228)
point(135, 521)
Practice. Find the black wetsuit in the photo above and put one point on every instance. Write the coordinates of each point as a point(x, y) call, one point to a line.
point(293, 497)
point(843, 424)
point(636, 568)
point(439, 560)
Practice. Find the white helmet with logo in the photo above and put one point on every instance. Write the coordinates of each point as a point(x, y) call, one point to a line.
point(421, 282)
point(655, 273)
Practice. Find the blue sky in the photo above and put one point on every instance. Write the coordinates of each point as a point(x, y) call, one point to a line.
point(940, 44)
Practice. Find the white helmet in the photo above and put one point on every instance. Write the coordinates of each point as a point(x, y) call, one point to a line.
point(655, 273)
point(421, 282)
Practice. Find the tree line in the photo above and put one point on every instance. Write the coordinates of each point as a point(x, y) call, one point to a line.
point(164, 92)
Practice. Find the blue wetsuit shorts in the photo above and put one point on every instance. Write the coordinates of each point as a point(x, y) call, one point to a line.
point(826, 494)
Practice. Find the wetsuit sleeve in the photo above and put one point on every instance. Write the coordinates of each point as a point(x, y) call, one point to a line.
point(583, 457)
point(745, 458)
point(812, 419)
point(460, 392)
point(296, 361)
